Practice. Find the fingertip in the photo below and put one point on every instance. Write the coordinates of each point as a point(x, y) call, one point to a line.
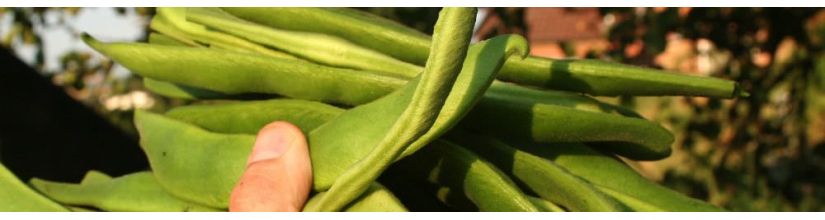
point(278, 176)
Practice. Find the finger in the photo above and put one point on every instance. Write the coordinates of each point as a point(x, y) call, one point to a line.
point(278, 175)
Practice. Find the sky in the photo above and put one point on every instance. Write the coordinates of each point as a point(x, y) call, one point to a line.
point(102, 23)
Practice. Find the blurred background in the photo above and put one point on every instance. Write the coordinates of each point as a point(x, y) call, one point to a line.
point(761, 153)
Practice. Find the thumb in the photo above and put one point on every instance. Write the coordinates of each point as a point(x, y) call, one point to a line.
point(278, 174)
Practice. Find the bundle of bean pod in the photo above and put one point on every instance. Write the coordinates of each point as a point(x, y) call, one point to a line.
point(394, 118)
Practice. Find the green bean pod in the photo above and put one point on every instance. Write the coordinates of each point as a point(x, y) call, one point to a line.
point(359, 27)
point(616, 179)
point(587, 76)
point(193, 164)
point(464, 172)
point(250, 116)
point(235, 73)
point(542, 176)
point(136, 192)
point(321, 48)
point(175, 18)
point(515, 115)
point(15, 196)
point(163, 26)
point(602, 78)
point(376, 198)
point(173, 90)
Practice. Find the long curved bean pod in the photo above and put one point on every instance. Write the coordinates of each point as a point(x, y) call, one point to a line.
point(136, 192)
point(611, 79)
point(617, 179)
point(540, 175)
point(376, 198)
point(15, 196)
point(464, 172)
point(452, 38)
point(588, 76)
point(321, 48)
point(234, 73)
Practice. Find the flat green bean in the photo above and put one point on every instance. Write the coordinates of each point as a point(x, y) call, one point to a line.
point(542, 176)
point(393, 39)
point(136, 192)
point(612, 79)
point(588, 76)
point(15, 196)
point(321, 48)
point(617, 179)
point(511, 115)
point(191, 163)
point(235, 73)
point(250, 116)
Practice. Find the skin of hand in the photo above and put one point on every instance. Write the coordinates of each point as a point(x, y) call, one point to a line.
point(278, 175)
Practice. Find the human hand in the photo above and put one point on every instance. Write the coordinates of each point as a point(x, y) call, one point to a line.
point(278, 173)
